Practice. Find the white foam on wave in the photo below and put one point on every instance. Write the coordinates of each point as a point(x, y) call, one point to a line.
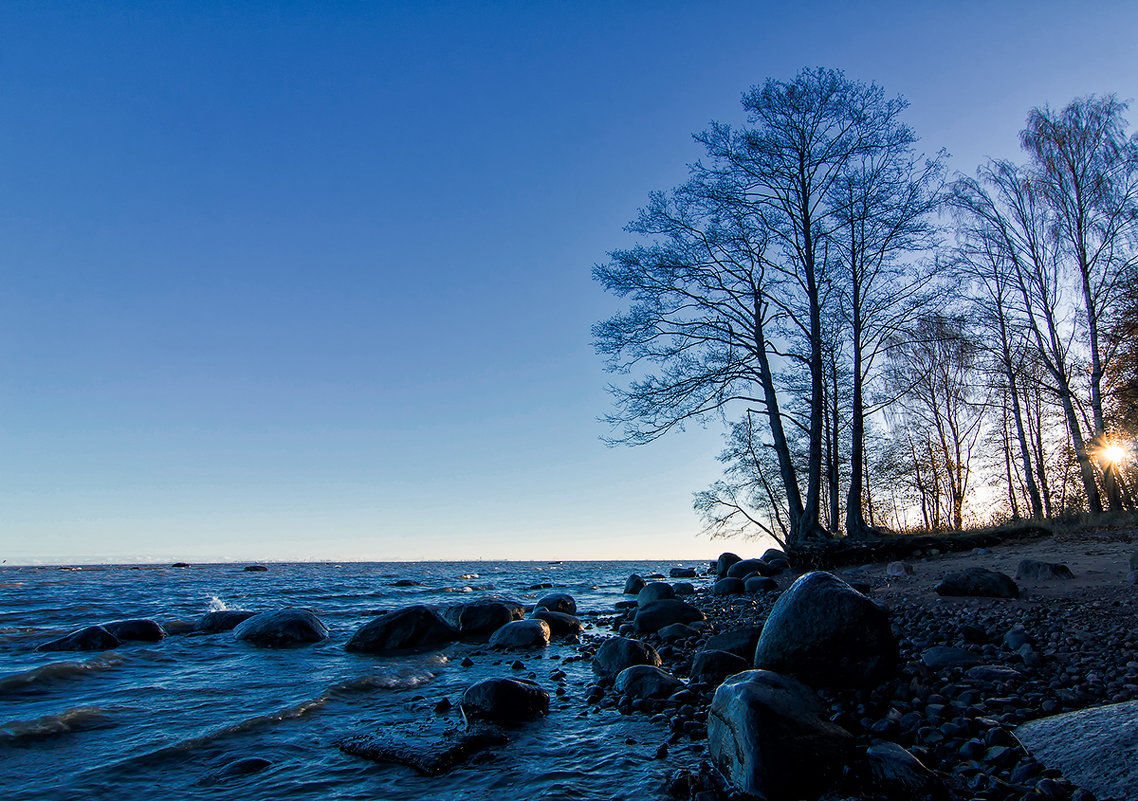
point(44, 675)
point(217, 605)
point(83, 717)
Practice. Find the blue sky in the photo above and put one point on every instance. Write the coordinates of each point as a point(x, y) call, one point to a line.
point(312, 280)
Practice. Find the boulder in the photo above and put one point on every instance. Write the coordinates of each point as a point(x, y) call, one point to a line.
point(682, 572)
point(714, 666)
point(407, 629)
point(255, 569)
point(677, 631)
point(768, 735)
point(483, 617)
point(978, 581)
point(505, 701)
point(727, 586)
point(746, 567)
point(646, 681)
point(1033, 570)
point(141, 630)
point(827, 634)
point(92, 638)
point(521, 634)
point(776, 558)
point(560, 624)
point(940, 657)
point(281, 628)
point(558, 602)
point(683, 588)
point(654, 591)
point(724, 562)
point(899, 570)
point(755, 584)
point(633, 585)
point(221, 620)
point(889, 771)
point(1096, 748)
point(740, 641)
point(656, 615)
point(618, 653)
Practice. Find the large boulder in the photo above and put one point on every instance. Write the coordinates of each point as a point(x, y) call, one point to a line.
point(776, 559)
point(521, 634)
point(978, 581)
point(1096, 748)
point(740, 641)
point(560, 624)
point(714, 666)
point(656, 615)
point(558, 602)
point(483, 617)
point(646, 681)
point(633, 585)
point(727, 586)
point(91, 638)
point(618, 653)
point(724, 562)
point(221, 620)
point(1033, 570)
point(827, 634)
point(408, 629)
point(282, 628)
point(768, 735)
point(746, 567)
point(505, 701)
point(141, 630)
point(654, 591)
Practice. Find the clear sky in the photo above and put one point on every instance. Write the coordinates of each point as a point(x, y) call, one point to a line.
point(312, 280)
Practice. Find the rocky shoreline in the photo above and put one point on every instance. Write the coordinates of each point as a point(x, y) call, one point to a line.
point(971, 671)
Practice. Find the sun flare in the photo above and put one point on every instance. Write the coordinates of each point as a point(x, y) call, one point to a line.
point(1113, 453)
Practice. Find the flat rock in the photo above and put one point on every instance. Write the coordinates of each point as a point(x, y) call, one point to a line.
point(404, 744)
point(940, 657)
point(682, 572)
point(899, 569)
point(979, 582)
point(1095, 748)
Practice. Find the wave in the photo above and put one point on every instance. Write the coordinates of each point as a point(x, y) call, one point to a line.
point(46, 675)
point(84, 717)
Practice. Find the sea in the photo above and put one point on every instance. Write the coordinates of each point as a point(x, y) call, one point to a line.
point(169, 719)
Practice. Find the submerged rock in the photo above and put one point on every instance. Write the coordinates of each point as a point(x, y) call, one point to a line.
point(827, 634)
point(92, 638)
point(506, 701)
point(404, 744)
point(221, 620)
point(282, 628)
point(141, 630)
point(768, 736)
point(410, 628)
point(240, 767)
point(682, 572)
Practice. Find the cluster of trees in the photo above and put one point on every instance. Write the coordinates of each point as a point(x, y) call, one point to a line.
point(883, 343)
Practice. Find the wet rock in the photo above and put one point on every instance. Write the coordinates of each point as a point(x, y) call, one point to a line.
point(633, 585)
point(558, 602)
point(560, 624)
point(141, 630)
point(505, 701)
point(746, 567)
point(682, 572)
point(255, 569)
point(727, 586)
point(407, 629)
point(768, 736)
point(713, 667)
point(405, 583)
point(522, 634)
point(91, 638)
point(725, 560)
point(617, 653)
point(1033, 570)
point(180, 564)
point(656, 615)
point(222, 620)
point(740, 641)
point(758, 584)
point(978, 581)
point(405, 745)
point(482, 617)
point(826, 634)
point(646, 681)
point(940, 657)
point(654, 591)
point(281, 629)
point(1095, 748)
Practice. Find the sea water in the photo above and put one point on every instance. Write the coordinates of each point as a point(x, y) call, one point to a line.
point(162, 720)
